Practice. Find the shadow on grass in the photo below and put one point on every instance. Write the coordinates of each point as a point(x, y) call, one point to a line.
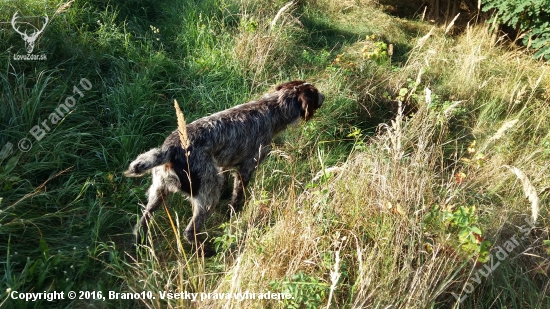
point(323, 35)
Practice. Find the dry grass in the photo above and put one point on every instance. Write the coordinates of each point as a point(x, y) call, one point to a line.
point(372, 212)
point(360, 233)
point(263, 45)
point(371, 215)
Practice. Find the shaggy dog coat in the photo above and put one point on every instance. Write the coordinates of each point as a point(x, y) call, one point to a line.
point(235, 139)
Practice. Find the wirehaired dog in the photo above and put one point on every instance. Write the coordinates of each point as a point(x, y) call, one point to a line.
point(235, 139)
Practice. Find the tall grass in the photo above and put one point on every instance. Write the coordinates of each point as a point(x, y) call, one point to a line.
point(383, 200)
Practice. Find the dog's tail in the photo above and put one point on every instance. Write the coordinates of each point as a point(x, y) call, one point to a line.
point(146, 161)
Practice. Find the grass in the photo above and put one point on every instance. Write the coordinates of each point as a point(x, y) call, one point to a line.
point(395, 195)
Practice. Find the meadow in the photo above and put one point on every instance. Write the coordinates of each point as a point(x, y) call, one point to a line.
point(422, 182)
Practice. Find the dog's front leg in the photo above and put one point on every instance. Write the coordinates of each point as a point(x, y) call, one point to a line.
point(156, 197)
point(242, 177)
point(239, 185)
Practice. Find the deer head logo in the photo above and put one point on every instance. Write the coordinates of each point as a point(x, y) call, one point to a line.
point(29, 39)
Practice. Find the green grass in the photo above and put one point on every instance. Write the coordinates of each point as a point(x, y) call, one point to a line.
point(380, 226)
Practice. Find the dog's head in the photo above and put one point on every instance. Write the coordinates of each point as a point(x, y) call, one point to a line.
point(309, 98)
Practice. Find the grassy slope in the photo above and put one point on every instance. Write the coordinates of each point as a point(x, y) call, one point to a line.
point(381, 229)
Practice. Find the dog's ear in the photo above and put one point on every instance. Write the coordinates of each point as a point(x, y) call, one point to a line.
point(307, 97)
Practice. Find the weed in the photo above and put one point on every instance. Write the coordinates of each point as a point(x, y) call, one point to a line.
point(307, 291)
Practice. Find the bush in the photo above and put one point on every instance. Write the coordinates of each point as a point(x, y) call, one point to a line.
point(531, 16)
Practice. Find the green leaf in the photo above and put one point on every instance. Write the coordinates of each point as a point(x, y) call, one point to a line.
point(547, 243)
point(463, 235)
point(543, 52)
point(12, 163)
point(475, 229)
point(44, 248)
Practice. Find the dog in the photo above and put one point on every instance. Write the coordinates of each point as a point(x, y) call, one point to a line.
point(235, 139)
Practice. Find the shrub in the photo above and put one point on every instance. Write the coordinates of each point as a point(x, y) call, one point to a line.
point(531, 16)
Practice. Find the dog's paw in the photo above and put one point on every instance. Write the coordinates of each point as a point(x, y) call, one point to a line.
point(232, 210)
point(189, 235)
point(205, 250)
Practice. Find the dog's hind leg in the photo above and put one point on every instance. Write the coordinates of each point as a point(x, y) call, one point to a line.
point(205, 200)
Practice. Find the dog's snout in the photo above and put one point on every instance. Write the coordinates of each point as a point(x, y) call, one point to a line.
point(321, 99)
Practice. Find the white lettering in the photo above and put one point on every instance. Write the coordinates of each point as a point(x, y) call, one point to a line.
point(37, 132)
